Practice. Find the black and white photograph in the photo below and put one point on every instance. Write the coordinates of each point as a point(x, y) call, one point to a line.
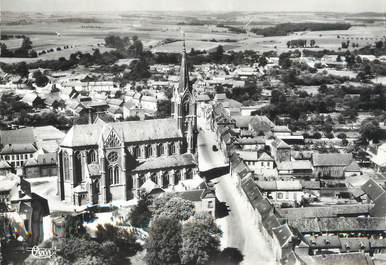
point(205, 132)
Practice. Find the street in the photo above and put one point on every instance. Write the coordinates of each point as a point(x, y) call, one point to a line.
point(238, 230)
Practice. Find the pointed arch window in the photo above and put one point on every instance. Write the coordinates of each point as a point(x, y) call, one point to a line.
point(66, 166)
point(91, 158)
point(149, 151)
point(161, 149)
point(172, 149)
point(114, 175)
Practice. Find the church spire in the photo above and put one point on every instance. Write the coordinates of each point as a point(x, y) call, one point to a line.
point(184, 73)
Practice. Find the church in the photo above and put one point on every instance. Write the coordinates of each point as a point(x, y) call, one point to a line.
point(103, 162)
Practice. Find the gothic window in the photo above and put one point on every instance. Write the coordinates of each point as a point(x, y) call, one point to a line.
point(78, 167)
point(185, 106)
point(172, 149)
point(66, 166)
point(141, 180)
point(112, 157)
point(177, 176)
point(111, 175)
point(91, 158)
point(153, 177)
point(113, 140)
point(165, 179)
point(137, 151)
point(161, 149)
point(114, 175)
point(189, 173)
point(148, 151)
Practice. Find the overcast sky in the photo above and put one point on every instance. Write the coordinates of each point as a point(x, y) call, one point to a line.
point(194, 5)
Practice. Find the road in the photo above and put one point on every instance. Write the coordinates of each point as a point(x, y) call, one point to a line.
point(238, 230)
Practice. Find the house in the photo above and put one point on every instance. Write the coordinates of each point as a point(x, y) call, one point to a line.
point(251, 144)
point(261, 125)
point(204, 200)
point(289, 193)
point(295, 169)
point(130, 110)
point(281, 131)
point(331, 165)
point(33, 100)
point(280, 150)
point(25, 208)
point(17, 154)
point(378, 156)
point(5, 168)
point(44, 165)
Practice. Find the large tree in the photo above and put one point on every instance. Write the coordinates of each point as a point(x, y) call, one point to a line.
point(199, 246)
point(164, 242)
point(173, 206)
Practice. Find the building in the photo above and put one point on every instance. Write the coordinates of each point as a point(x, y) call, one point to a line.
point(44, 165)
point(331, 165)
point(103, 162)
point(24, 208)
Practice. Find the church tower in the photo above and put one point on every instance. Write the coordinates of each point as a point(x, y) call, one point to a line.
point(184, 106)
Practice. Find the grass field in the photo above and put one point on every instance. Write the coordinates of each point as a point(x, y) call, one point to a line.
point(152, 28)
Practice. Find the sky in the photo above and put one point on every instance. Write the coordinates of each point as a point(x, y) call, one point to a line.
point(193, 5)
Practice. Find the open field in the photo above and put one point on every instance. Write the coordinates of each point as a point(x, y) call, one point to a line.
point(49, 31)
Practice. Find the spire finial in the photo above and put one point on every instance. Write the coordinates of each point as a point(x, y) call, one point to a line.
point(183, 41)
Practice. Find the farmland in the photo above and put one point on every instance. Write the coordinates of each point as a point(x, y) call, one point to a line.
point(86, 32)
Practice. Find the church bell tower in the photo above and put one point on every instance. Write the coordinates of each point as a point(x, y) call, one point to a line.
point(184, 106)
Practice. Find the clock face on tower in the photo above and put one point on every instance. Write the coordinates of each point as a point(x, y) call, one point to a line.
point(112, 157)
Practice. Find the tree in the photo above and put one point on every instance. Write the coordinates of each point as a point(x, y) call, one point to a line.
point(40, 79)
point(26, 44)
point(74, 227)
point(125, 242)
point(164, 242)
point(370, 130)
point(140, 215)
point(163, 108)
point(284, 60)
point(21, 69)
point(175, 207)
point(199, 246)
point(263, 61)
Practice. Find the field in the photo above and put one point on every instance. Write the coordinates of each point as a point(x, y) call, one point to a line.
point(153, 28)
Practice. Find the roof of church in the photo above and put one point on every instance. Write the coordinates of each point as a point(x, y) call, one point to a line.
point(167, 162)
point(131, 131)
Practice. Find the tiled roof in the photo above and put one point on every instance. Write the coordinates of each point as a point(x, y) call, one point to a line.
point(283, 234)
point(372, 189)
point(242, 121)
point(4, 165)
point(174, 161)
point(331, 159)
point(279, 185)
point(353, 167)
point(325, 211)
point(261, 124)
point(280, 144)
point(132, 131)
point(18, 149)
point(265, 157)
point(42, 159)
point(339, 224)
point(24, 135)
point(250, 141)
